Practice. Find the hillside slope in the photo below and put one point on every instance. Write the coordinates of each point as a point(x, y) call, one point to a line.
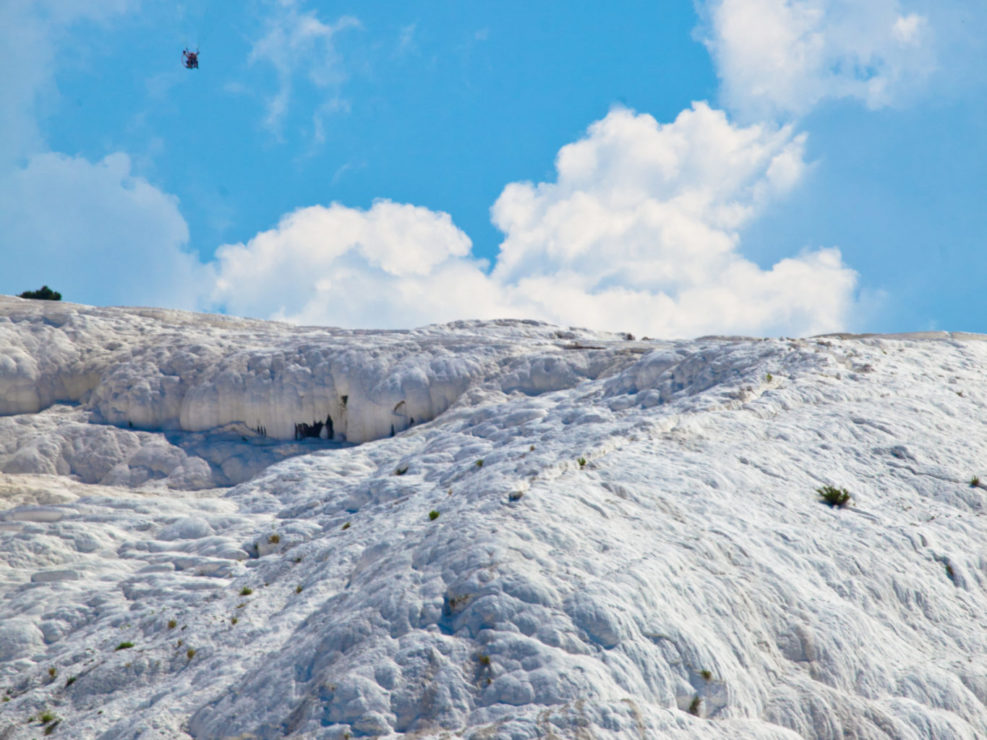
point(212, 527)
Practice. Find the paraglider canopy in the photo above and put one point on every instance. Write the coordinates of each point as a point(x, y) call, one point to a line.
point(190, 59)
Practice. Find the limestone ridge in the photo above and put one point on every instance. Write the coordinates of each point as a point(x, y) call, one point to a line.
point(579, 535)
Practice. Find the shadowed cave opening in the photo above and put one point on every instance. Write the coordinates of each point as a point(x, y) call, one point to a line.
point(315, 429)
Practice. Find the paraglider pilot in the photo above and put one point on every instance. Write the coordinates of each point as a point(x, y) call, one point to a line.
point(190, 59)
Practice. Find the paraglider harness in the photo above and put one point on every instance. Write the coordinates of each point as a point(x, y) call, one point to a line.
point(190, 59)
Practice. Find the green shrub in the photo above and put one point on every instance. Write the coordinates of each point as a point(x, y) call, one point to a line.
point(433, 515)
point(835, 498)
point(707, 675)
point(950, 573)
point(582, 462)
point(70, 681)
point(172, 624)
point(124, 646)
point(45, 294)
point(46, 718)
point(246, 591)
point(346, 526)
point(694, 706)
point(479, 463)
point(974, 482)
point(190, 653)
point(274, 539)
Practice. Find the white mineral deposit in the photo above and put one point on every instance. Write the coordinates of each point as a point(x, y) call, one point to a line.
point(222, 528)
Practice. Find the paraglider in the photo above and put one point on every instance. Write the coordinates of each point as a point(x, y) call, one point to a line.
point(190, 59)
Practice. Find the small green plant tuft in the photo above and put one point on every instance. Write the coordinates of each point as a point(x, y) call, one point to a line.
point(483, 659)
point(694, 706)
point(233, 620)
point(582, 462)
point(70, 681)
point(950, 573)
point(975, 482)
point(402, 470)
point(124, 646)
point(51, 728)
point(707, 675)
point(172, 623)
point(44, 294)
point(298, 589)
point(769, 377)
point(531, 448)
point(274, 539)
point(46, 717)
point(836, 498)
point(479, 463)
point(346, 526)
point(190, 653)
point(53, 671)
point(433, 515)
point(246, 591)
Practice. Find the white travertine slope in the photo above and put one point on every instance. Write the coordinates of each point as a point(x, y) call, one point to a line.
point(628, 542)
point(257, 382)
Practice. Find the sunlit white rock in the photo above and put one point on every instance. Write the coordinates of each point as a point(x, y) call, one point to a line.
point(579, 535)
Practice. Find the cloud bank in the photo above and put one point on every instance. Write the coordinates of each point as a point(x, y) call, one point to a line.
point(783, 57)
point(639, 232)
point(393, 265)
point(97, 233)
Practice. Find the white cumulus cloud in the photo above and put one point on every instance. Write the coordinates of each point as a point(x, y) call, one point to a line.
point(662, 203)
point(640, 231)
point(95, 232)
point(783, 57)
point(393, 265)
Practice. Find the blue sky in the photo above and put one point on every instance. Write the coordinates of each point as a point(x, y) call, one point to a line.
point(668, 168)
